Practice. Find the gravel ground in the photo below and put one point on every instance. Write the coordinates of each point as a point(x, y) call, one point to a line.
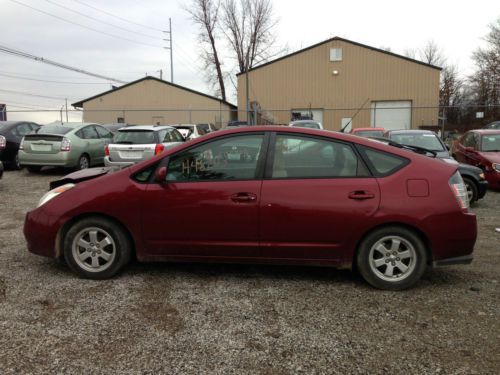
point(234, 319)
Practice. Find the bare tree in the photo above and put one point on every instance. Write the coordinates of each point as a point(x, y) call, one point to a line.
point(248, 26)
point(411, 53)
point(432, 54)
point(485, 81)
point(451, 93)
point(205, 13)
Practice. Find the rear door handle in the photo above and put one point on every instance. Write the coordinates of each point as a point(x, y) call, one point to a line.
point(360, 195)
point(244, 197)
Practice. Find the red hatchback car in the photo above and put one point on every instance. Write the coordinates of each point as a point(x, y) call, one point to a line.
point(263, 194)
point(481, 148)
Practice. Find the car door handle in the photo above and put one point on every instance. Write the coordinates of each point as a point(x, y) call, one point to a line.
point(360, 195)
point(243, 197)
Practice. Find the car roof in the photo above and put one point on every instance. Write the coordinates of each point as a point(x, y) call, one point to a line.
point(145, 127)
point(303, 121)
point(410, 131)
point(486, 131)
point(73, 125)
point(368, 128)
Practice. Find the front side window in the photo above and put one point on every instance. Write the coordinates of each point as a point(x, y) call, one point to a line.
point(307, 157)
point(233, 158)
point(491, 142)
point(103, 133)
point(87, 132)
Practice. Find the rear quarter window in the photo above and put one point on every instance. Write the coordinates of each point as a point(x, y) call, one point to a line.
point(382, 163)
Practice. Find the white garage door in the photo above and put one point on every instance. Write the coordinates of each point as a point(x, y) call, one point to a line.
point(391, 115)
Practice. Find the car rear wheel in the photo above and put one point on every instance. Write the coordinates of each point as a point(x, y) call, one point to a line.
point(96, 248)
point(471, 190)
point(392, 258)
point(83, 162)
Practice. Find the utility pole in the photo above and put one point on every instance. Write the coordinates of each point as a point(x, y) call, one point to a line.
point(66, 109)
point(247, 89)
point(169, 32)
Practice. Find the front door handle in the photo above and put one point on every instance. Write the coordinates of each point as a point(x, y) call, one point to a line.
point(361, 195)
point(243, 197)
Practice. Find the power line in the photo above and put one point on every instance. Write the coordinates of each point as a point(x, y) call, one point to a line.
point(14, 52)
point(35, 95)
point(26, 105)
point(100, 21)
point(115, 16)
point(85, 27)
point(45, 80)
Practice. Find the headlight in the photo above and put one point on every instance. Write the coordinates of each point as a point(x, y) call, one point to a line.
point(496, 166)
point(54, 193)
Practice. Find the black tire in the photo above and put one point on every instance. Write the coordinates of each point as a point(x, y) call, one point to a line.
point(83, 162)
point(382, 268)
point(15, 163)
point(34, 169)
point(471, 190)
point(98, 256)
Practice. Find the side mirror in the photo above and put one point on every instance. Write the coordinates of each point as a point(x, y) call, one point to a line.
point(161, 175)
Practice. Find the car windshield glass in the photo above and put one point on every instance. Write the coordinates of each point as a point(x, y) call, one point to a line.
point(425, 140)
point(54, 129)
point(310, 125)
point(370, 133)
point(491, 142)
point(134, 137)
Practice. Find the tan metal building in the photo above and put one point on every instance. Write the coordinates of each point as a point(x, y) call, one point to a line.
point(338, 80)
point(150, 100)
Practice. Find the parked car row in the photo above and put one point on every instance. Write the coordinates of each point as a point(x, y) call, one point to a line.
point(82, 145)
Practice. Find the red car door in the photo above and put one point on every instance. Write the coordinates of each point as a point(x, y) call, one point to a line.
point(316, 199)
point(209, 204)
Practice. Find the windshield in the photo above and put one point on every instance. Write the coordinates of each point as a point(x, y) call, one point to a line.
point(491, 142)
point(53, 129)
point(134, 137)
point(310, 125)
point(425, 140)
point(370, 133)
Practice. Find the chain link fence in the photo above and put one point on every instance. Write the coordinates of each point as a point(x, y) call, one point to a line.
point(443, 120)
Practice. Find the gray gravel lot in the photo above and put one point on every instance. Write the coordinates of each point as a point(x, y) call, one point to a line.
point(235, 319)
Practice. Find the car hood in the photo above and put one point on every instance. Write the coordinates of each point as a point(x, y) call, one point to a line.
point(494, 157)
point(79, 176)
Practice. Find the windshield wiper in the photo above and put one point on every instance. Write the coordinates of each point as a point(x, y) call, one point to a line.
point(417, 149)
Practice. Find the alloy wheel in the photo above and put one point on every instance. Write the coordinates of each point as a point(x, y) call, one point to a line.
point(93, 249)
point(392, 258)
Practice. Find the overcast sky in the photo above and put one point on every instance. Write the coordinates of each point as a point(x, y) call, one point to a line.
point(457, 28)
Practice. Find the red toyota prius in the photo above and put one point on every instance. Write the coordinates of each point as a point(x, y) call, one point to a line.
point(263, 194)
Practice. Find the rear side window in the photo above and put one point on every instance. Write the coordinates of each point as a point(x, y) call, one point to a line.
point(308, 157)
point(382, 163)
point(135, 137)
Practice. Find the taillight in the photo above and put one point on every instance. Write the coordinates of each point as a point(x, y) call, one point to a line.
point(106, 150)
point(3, 142)
point(65, 144)
point(159, 149)
point(458, 187)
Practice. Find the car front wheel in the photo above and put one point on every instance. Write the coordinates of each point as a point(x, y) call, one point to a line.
point(96, 248)
point(392, 258)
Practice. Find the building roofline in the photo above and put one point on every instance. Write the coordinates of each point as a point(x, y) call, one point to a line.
point(80, 103)
point(346, 41)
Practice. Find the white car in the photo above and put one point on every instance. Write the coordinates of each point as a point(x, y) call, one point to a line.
point(306, 124)
point(133, 144)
